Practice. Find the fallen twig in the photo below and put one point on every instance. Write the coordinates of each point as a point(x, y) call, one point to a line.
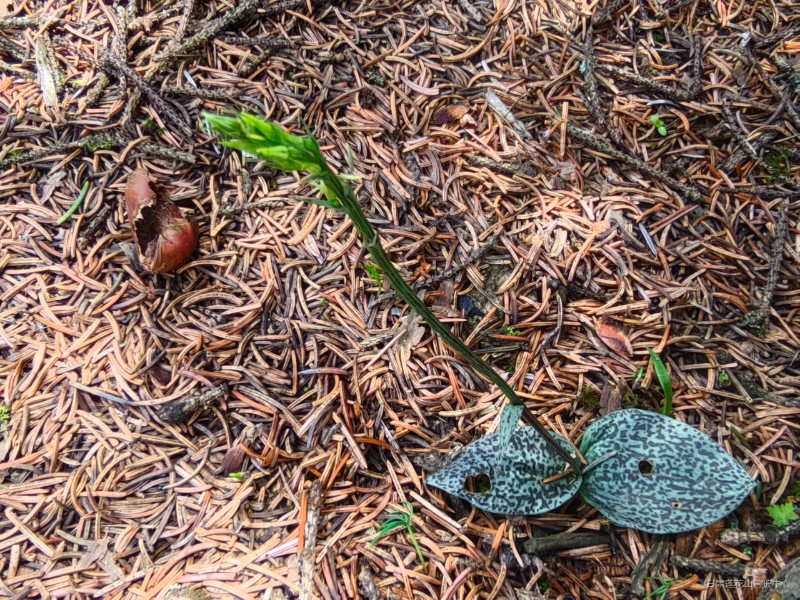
point(525, 168)
point(588, 67)
point(183, 24)
point(678, 95)
point(474, 255)
point(111, 63)
point(649, 565)
point(308, 554)
point(89, 231)
point(122, 41)
point(244, 10)
point(603, 16)
point(496, 104)
point(758, 319)
point(147, 21)
point(737, 537)
point(180, 410)
point(708, 566)
point(740, 153)
point(593, 140)
point(565, 541)
point(175, 90)
point(92, 142)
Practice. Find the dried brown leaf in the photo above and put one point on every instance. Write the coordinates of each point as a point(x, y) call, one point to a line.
point(449, 115)
point(234, 458)
point(614, 337)
point(166, 235)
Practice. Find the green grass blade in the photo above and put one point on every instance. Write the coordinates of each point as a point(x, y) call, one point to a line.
point(416, 544)
point(663, 378)
point(75, 205)
point(741, 438)
point(385, 530)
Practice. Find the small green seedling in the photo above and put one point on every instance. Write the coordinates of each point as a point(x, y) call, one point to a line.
point(782, 514)
point(662, 590)
point(659, 125)
point(374, 273)
point(637, 381)
point(544, 584)
point(5, 413)
point(723, 378)
point(400, 519)
point(236, 475)
point(776, 161)
point(512, 331)
point(663, 378)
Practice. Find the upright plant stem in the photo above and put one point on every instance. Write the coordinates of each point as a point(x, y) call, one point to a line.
point(373, 245)
point(289, 152)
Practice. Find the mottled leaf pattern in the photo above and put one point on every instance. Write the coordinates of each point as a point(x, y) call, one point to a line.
point(514, 460)
point(666, 477)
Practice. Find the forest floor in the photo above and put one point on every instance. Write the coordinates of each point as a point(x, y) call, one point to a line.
point(583, 182)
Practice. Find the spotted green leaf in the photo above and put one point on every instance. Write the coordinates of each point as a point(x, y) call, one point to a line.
point(503, 471)
point(659, 475)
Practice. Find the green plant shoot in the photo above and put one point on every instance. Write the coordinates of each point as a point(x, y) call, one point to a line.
point(782, 514)
point(400, 519)
point(280, 150)
point(374, 273)
point(659, 125)
point(637, 381)
point(663, 378)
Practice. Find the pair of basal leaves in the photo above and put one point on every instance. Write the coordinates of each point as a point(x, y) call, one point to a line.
point(644, 471)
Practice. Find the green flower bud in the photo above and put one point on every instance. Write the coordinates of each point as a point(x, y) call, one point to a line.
point(268, 142)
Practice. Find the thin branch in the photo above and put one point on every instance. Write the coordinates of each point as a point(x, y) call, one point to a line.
point(111, 63)
point(594, 141)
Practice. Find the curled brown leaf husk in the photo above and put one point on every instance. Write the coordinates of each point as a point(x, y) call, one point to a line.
point(233, 460)
point(451, 114)
point(614, 337)
point(166, 235)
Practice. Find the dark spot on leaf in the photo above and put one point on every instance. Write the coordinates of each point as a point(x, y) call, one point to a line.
point(478, 484)
point(645, 467)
